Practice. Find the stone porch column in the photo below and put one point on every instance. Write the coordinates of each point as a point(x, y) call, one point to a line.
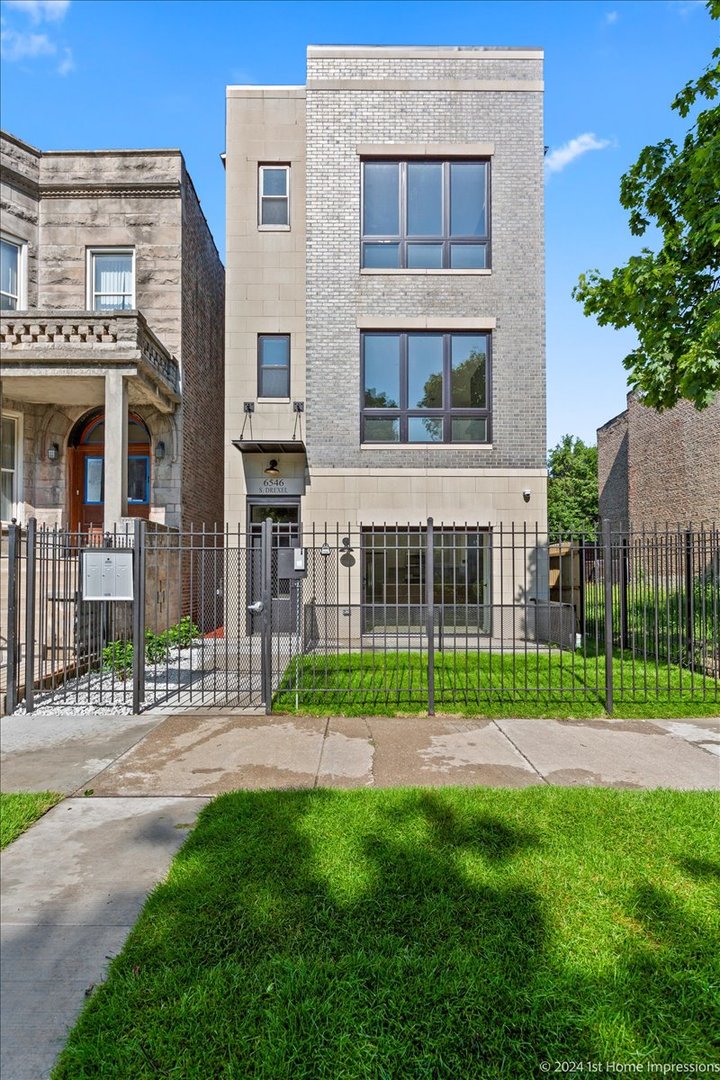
point(116, 450)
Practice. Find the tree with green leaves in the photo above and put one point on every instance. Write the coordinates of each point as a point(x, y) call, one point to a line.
point(671, 296)
point(572, 487)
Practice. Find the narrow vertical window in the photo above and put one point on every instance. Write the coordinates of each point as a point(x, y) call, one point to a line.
point(10, 275)
point(274, 366)
point(9, 468)
point(112, 280)
point(274, 189)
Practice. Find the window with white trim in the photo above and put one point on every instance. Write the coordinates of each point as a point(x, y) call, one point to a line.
point(274, 196)
point(426, 215)
point(111, 279)
point(12, 269)
point(10, 436)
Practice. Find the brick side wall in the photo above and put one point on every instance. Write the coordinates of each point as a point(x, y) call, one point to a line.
point(612, 444)
point(674, 460)
point(203, 376)
point(338, 121)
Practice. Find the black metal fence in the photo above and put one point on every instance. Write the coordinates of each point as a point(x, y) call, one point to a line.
point(423, 617)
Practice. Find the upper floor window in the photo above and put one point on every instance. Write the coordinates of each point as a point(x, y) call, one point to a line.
point(425, 387)
point(111, 279)
point(425, 215)
point(273, 365)
point(11, 274)
point(274, 196)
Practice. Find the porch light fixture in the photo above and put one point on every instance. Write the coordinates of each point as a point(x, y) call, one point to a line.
point(159, 451)
point(272, 469)
point(53, 452)
point(325, 550)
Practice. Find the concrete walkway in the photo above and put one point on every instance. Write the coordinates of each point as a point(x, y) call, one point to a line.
point(74, 884)
point(72, 888)
point(206, 754)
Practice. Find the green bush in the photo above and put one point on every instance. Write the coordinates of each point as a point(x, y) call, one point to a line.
point(118, 657)
point(183, 633)
point(156, 646)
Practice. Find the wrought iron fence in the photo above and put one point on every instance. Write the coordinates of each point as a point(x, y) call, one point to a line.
point(413, 617)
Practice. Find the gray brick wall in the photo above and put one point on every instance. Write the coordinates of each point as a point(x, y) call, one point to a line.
point(339, 120)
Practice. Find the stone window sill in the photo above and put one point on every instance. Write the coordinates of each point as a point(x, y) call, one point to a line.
point(273, 228)
point(273, 401)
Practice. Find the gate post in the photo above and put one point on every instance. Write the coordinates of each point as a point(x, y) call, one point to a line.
point(608, 590)
point(430, 615)
point(266, 596)
point(138, 672)
point(12, 619)
point(31, 551)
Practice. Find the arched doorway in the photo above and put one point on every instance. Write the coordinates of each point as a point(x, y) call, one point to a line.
point(86, 467)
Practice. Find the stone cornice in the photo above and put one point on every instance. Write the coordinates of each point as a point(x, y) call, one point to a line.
point(18, 180)
point(146, 190)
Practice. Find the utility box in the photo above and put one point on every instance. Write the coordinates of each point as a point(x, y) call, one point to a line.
point(107, 575)
point(291, 563)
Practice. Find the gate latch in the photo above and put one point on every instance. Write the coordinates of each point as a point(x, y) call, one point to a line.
point(257, 608)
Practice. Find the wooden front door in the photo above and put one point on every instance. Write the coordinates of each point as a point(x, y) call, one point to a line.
point(86, 485)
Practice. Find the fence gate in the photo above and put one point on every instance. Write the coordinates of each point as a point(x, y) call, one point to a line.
point(214, 620)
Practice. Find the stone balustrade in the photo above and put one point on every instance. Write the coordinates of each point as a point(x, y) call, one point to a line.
point(32, 338)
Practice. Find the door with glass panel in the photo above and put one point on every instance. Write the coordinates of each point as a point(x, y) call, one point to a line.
point(286, 533)
point(86, 471)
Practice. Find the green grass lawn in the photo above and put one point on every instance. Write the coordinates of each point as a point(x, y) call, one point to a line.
point(19, 811)
point(560, 684)
point(451, 933)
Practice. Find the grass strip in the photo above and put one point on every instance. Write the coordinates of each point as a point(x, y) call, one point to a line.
point(561, 685)
point(457, 932)
point(18, 811)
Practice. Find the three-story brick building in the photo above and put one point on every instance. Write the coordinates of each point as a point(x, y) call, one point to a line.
point(385, 304)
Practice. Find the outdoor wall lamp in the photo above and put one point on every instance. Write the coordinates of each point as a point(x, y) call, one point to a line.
point(272, 469)
point(53, 452)
point(159, 451)
point(526, 494)
point(325, 550)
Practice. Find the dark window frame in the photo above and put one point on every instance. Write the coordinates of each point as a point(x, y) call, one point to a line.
point(446, 240)
point(274, 367)
point(447, 413)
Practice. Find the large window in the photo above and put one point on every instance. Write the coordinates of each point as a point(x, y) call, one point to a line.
point(273, 365)
point(425, 388)
point(11, 273)
point(274, 196)
point(425, 215)
point(9, 466)
point(111, 280)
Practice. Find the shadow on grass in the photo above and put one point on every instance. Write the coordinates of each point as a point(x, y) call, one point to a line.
point(399, 934)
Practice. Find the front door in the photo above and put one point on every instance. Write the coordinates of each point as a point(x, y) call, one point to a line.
point(286, 533)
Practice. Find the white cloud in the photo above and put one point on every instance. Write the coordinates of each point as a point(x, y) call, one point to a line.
point(686, 7)
point(41, 10)
point(558, 159)
point(19, 46)
point(611, 17)
point(67, 64)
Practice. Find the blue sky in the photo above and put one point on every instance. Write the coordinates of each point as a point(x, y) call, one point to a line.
point(137, 73)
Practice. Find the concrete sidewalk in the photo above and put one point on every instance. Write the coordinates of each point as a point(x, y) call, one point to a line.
point(72, 888)
point(206, 754)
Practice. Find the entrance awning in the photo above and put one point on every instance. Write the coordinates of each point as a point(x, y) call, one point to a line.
point(247, 446)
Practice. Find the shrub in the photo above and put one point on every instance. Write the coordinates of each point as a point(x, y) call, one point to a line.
point(118, 657)
point(183, 633)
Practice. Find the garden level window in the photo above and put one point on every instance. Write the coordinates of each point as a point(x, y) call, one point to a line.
point(111, 277)
point(425, 387)
point(425, 215)
point(10, 275)
point(273, 365)
point(9, 467)
point(274, 196)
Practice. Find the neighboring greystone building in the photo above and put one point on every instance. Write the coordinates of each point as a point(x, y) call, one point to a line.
point(112, 340)
point(660, 467)
point(385, 357)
